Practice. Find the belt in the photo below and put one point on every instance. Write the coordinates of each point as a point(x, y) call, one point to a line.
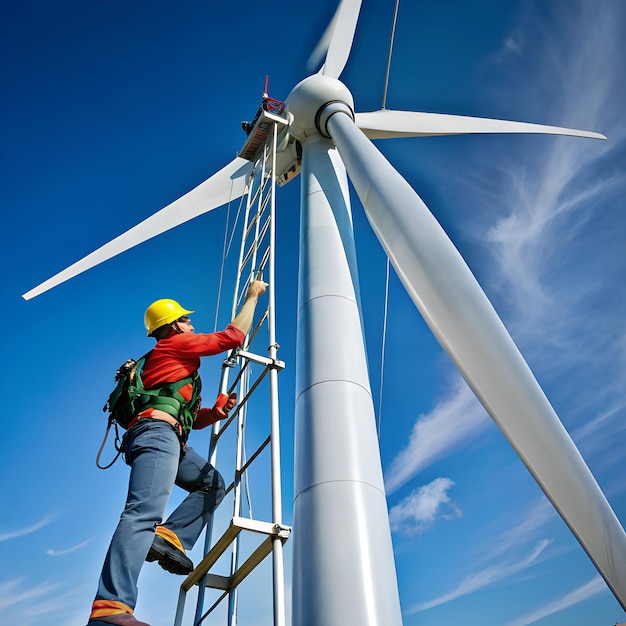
point(157, 414)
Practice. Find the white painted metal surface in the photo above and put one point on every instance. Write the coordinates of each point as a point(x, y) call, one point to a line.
point(225, 185)
point(386, 124)
point(344, 571)
point(468, 328)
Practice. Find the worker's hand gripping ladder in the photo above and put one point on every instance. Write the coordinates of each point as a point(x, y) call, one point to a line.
point(256, 260)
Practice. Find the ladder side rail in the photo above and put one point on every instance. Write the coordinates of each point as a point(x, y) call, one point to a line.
point(253, 200)
point(256, 244)
point(277, 544)
point(180, 607)
point(261, 203)
point(208, 533)
point(249, 204)
point(243, 388)
point(237, 507)
point(216, 427)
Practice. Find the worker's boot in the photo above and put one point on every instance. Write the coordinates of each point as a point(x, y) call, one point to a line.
point(168, 551)
point(121, 619)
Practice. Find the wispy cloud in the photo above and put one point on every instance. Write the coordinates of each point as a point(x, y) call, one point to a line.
point(422, 507)
point(558, 271)
point(27, 530)
point(28, 604)
point(485, 577)
point(525, 528)
point(16, 591)
point(52, 552)
point(593, 587)
point(454, 421)
point(511, 548)
point(558, 266)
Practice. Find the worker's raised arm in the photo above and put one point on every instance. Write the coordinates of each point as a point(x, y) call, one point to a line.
point(243, 319)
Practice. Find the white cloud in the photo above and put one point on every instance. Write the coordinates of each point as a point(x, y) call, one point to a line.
point(595, 586)
point(485, 577)
point(27, 530)
point(52, 552)
point(421, 508)
point(455, 420)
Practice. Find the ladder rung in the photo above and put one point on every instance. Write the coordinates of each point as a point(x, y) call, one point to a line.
point(237, 524)
point(247, 464)
point(211, 557)
point(251, 251)
point(215, 581)
point(242, 402)
point(264, 260)
point(262, 200)
point(253, 221)
point(262, 360)
point(228, 583)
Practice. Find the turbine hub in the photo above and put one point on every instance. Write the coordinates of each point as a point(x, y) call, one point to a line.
point(309, 103)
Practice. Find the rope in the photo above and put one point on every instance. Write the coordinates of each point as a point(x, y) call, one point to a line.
point(106, 436)
point(393, 34)
point(382, 358)
point(225, 252)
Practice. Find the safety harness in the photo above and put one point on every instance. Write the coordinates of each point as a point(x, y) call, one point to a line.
point(130, 398)
point(167, 397)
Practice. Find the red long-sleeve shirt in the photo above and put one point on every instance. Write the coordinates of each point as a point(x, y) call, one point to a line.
point(178, 357)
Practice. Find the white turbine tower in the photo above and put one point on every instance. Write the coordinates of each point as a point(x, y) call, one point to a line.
point(344, 571)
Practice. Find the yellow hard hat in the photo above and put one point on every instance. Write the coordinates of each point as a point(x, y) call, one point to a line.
point(162, 312)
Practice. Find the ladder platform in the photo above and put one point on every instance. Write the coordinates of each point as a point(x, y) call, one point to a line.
point(257, 135)
point(237, 524)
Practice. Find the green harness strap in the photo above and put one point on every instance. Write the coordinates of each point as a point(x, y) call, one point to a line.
point(166, 397)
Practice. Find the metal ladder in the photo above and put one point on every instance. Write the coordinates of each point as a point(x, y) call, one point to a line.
point(256, 258)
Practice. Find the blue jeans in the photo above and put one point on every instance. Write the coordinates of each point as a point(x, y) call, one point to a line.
point(157, 462)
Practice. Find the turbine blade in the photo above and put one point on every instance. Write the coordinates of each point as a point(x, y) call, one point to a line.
point(343, 35)
point(386, 124)
point(227, 184)
point(470, 331)
point(323, 44)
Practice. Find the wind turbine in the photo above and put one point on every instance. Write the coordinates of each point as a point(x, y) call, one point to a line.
point(343, 560)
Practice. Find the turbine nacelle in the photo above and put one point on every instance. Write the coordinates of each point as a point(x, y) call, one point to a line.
point(313, 101)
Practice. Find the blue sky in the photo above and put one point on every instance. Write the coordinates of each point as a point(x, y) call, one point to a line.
point(112, 110)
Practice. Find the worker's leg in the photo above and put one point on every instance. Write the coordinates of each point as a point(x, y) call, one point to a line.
point(153, 452)
point(206, 490)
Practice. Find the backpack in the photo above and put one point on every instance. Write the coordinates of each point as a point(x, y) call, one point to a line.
point(123, 403)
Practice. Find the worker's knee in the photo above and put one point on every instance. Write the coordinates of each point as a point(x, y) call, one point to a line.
point(213, 483)
point(220, 488)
